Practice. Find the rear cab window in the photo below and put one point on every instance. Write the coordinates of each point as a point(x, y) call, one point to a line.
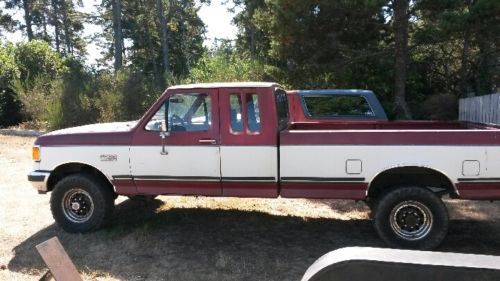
point(336, 106)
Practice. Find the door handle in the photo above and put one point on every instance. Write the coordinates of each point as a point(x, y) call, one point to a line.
point(207, 141)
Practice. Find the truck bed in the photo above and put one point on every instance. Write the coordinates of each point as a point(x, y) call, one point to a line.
point(391, 133)
point(390, 125)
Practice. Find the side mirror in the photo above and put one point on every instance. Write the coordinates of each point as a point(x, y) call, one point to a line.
point(163, 135)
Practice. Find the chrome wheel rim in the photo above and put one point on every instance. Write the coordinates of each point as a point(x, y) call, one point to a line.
point(77, 205)
point(411, 220)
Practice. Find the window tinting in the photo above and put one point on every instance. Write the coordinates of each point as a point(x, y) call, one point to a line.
point(236, 113)
point(253, 112)
point(189, 112)
point(186, 113)
point(337, 106)
point(155, 123)
point(281, 108)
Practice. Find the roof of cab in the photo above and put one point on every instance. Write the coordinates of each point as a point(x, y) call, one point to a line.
point(333, 92)
point(226, 85)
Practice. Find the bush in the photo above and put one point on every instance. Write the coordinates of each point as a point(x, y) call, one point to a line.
point(9, 72)
point(224, 65)
point(41, 102)
point(10, 108)
point(440, 107)
point(124, 96)
point(37, 59)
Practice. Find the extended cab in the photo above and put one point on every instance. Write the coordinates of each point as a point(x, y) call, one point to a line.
point(256, 140)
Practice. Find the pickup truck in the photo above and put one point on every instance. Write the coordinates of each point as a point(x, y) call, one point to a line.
point(238, 139)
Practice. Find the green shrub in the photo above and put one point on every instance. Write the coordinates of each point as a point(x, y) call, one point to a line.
point(10, 108)
point(39, 98)
point(224, 65)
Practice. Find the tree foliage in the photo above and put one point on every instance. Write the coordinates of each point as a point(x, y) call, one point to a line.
point(424, 57)
point(223, 64)
point(452, 49)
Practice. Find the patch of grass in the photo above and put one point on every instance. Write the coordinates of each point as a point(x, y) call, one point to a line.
point(203, 238)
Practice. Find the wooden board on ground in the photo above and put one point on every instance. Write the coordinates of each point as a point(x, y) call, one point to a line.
point(58, 261)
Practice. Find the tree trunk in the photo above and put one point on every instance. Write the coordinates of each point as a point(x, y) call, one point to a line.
point(55, 22)
point(118, 33)
point(164, 36)
point(485, 70)
point(67, 34)
point(149, 43)
point(464, 89)
point(184, 39)
point(45, 16)
point(401, 18)
point(27, 19)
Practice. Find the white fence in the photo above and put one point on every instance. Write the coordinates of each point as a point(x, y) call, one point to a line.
point(481, 109)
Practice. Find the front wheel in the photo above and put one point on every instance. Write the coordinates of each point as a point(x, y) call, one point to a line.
point(81, 203)
point(411, 217)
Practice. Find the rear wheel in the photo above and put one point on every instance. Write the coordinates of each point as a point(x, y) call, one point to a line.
point(81, 203)
point(411, 217)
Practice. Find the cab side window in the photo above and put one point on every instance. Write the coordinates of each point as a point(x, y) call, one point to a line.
point(253, 112)
point(236, 113)
point(244, 110)
point(189, 112)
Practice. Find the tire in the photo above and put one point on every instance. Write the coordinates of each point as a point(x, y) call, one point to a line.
point(81, 203)
point(411, 217)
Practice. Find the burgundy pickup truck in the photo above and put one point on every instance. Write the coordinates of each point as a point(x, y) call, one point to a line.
point(256, 140)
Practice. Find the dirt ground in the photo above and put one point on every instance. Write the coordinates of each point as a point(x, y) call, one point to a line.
point(199, 238)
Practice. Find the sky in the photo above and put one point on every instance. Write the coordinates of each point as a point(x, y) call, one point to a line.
point(216, 17)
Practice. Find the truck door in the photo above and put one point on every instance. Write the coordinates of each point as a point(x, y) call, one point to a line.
point(187, 161)
point(248, 149)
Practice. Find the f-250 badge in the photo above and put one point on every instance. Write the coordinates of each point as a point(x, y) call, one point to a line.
point(109, 157)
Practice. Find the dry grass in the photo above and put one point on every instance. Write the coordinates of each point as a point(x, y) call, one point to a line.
point(199, 238)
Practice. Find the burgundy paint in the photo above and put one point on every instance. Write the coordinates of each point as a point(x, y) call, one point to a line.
point(332, 137)
point(268, 117)
point(179, 187)
point(355, 191)
point(479, 190)
point(250, 189)
point(111, 138)
point(124, 187)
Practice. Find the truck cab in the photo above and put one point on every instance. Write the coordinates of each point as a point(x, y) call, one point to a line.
point(238, 123)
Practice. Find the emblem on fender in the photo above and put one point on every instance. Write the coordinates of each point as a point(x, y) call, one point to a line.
point(108, 157)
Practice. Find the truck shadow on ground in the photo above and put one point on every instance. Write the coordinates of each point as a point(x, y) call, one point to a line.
point(151, 242)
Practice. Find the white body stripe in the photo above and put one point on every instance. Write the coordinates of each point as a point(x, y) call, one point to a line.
point(54, 156)
point(261, 161)
point(330, 161)
point(180, 161)
point(249, 161)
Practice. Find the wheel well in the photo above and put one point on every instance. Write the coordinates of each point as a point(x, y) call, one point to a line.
point(411, 175)
point(72, 168)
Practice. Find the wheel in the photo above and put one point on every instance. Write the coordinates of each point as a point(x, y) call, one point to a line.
point(411, 217)
point(81, 203)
